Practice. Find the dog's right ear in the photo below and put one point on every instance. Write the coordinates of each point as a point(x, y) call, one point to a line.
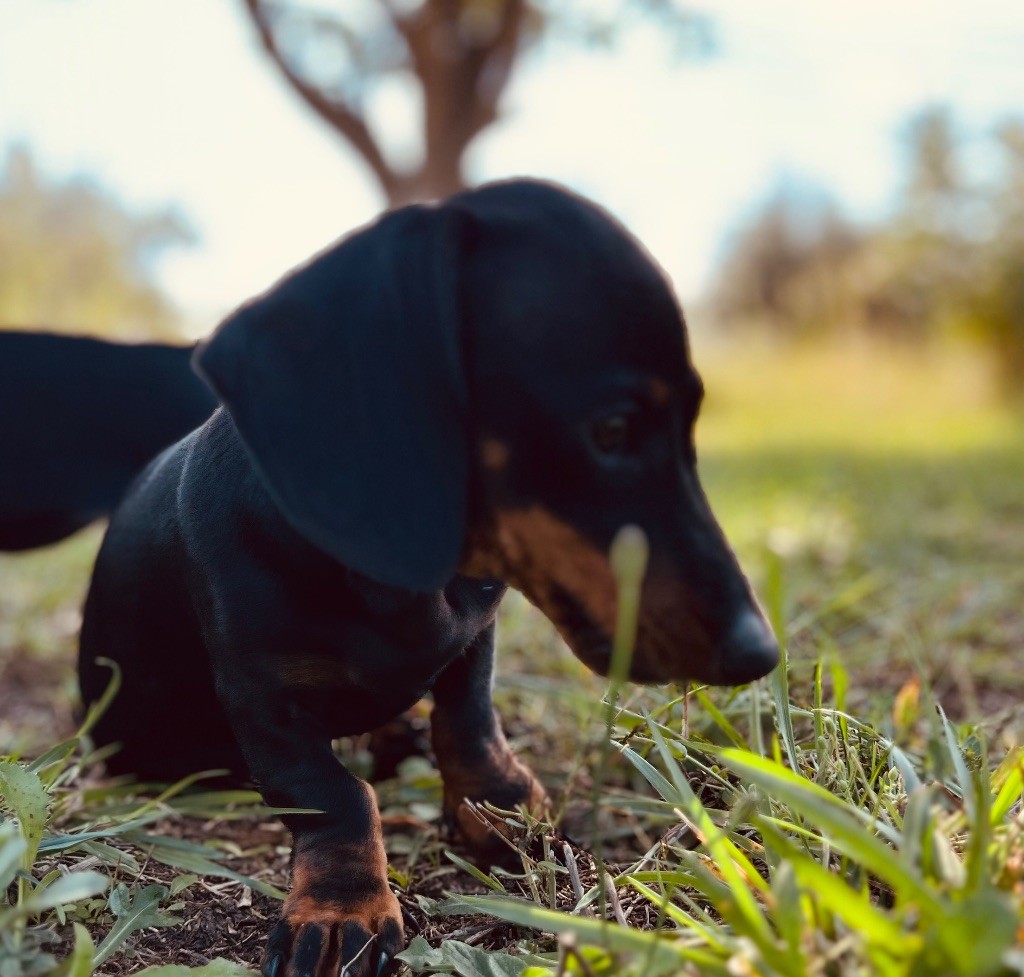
point(346, 384)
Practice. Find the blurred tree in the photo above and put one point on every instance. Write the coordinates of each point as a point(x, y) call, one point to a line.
point(453, 57)
point(790, 267)
point(996, 303)
point(74, 259)
point(948, 261)
point(924, 255)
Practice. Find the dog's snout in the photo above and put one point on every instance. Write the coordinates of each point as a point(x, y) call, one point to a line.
point(748, 651)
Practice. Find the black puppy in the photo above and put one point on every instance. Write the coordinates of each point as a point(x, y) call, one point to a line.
point(79, 419)
point(458, 397)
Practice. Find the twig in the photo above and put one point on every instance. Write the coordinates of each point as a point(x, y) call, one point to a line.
point(340, 115)
point(613, 898)
point(482, 931)
point(574, 873)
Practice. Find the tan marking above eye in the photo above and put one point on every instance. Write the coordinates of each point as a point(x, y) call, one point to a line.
point(660, 391)
point(494, 454)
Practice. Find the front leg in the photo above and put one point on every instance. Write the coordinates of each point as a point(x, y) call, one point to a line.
point(340, 911)
point(474, 758)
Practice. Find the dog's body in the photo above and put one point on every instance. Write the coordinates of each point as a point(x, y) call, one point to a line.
point(458, 397)
point(227, 538)
point(79, 419)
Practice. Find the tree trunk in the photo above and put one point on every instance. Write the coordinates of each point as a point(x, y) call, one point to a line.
point(462, 74)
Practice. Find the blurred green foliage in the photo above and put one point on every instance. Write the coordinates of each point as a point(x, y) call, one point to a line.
point(75, 259)
point(947, 262)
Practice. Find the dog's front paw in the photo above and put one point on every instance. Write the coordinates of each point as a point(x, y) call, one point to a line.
point(507, 784)
point(316, 939)
point(339, 917)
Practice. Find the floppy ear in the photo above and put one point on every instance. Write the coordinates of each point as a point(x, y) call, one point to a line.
point(346, 384)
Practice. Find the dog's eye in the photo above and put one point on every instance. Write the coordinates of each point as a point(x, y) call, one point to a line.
point(611, 435)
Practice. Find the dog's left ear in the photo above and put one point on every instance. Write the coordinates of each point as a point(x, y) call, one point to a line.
point(347, 386)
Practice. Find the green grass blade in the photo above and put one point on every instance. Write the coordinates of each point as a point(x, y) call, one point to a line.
point(843, 825)
point(482, 877)
point(1011, 789)
point(100, 706)
point(829, 890)
point(963, 775)
point(652, 775)
point(711, 935)
point(664, 953)
point(780, 699)
point(733, 734)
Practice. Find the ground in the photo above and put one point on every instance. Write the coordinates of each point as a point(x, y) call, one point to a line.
point(878, 490)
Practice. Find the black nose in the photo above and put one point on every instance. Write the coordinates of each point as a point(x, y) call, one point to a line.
point(748, 651)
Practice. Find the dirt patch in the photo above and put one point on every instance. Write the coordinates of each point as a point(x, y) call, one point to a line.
point(34, 710)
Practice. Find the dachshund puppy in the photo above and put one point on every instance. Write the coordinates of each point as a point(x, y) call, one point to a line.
point(79, 419)
point(458, 398)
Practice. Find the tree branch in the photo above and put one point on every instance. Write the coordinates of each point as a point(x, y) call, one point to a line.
point(496, 66)
point(349, 123)
point(462, 77)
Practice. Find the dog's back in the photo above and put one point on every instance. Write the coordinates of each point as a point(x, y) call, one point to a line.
point(79, 418)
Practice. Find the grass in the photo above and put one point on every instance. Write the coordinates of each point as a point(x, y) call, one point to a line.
point(833, 820)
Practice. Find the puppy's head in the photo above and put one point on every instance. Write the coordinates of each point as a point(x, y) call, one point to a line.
point(496, 385)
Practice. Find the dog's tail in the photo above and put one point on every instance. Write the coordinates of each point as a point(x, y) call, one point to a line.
point(79, 419)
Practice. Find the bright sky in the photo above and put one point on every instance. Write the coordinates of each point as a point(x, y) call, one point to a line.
point(171, 101)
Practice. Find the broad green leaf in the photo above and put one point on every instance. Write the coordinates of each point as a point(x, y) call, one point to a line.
point(12, 849)
point(68, 888)
point(23, 794)
point(182, 882)
point(137, 911)
point(471, 961)
point(419, 956)
point(215, 968)
point(453, 957)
